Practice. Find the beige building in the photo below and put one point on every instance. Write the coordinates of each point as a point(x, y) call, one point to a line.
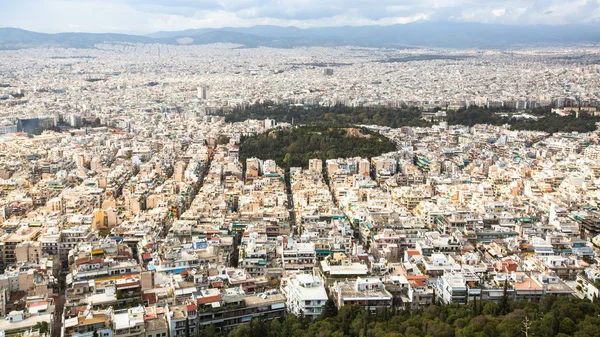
point(28, 251)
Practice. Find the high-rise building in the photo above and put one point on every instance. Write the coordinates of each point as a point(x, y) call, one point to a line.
point(202, 92)
point(7, 126)
point(269, 123)
point(75, 120)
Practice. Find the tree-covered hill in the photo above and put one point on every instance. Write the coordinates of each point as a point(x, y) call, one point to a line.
point(552, 316)
point(295, 146)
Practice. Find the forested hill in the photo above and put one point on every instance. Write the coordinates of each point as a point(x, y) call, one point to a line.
point(552, 316)
point(295, 146)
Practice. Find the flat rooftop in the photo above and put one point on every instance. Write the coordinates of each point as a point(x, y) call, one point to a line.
point(348, 291)
point(156, 324)
point(28, 322)
point(253, 301)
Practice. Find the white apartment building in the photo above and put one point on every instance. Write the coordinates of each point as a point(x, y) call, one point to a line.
point(369, 292)
point(451, 287)
point(129, 322)
point(305, 295)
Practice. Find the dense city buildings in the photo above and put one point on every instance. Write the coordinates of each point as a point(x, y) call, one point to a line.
point(127, 209)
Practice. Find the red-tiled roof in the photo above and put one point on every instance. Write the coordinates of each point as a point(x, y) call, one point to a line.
point(413, 252)
point(87, 260)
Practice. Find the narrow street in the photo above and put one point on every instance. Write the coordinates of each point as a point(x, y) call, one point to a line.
point(288, 189)
point(59, 304)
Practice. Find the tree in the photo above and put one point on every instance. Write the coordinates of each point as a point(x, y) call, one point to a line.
point(452, 320)
point(567, 326)
point(505, 301)
point(555, 321)
point(222, 140)
point(526, 326)
point(43, 327)
point(274, 328)
point(207, 330)
point(329, 310)
point(412, 331)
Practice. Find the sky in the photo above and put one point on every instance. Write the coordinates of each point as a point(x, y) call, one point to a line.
point(146, 16)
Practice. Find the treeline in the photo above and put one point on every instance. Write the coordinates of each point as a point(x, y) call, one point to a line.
point(554, 123)
point(552, 316)
point(341, 115)
point(295, 146)
point(474, 116)
point(546, 121)
point(338, 115)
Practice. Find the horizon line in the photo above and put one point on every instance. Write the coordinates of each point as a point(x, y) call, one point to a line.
point(315, 27)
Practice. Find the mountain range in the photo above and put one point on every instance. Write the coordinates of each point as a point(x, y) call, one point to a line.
point(418, 34)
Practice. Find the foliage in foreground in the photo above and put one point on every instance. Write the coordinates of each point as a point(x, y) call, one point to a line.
point(295, 146)
point(552, 316)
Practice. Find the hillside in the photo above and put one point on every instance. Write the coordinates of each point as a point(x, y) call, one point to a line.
point(14, 38)
point(417, 34)
point(295, 146)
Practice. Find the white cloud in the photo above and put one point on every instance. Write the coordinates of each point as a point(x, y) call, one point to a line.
point(499, 12)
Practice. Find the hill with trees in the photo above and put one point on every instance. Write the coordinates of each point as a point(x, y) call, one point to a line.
point(552, 316)
point(295, 146)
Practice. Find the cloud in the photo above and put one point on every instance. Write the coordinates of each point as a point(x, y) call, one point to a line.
point(144, 16)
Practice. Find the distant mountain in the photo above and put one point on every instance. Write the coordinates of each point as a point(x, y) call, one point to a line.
point(180, 33)
point(442, 34)
point(248, 40)
point(268, 31)
point(419, 34)
point(14, 38)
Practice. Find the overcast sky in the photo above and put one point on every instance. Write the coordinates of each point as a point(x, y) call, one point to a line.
point(145, 16)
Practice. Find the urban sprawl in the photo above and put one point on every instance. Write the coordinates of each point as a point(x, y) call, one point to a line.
point(126, 209)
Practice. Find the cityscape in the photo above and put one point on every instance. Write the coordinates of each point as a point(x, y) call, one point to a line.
point(178, 190)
